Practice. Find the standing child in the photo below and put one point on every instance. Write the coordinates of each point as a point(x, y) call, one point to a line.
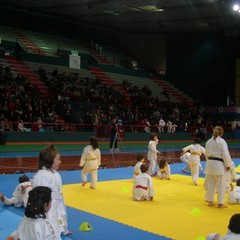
point(184, 159)
point(140, 161)
point(143, 185)
point(20, 194)
point(90, 162)
point(196, 150)
point(35, 224)
point(47, 175)
point(152, 153)
point(164, 170)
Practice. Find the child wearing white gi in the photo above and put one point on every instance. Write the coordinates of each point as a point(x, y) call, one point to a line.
point(196, 150)
point(164, 170)
point(47, 175)
point(35, 224)
point(20, 194)
point(152, 153)
point(90, 162)
point(234, 193)
point(143, 185)
point(140, 161)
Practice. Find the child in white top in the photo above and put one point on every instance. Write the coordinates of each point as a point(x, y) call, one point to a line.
point(164, 170)
point(140, 161)
point(152, 153)
point(20, 194)
point(143, 185)
point(35, 224)
point(234, 193)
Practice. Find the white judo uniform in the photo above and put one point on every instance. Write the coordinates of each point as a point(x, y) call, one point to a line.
point(152, 155)
point(36, 229)
point(164, 172)
point(19, 199)
point(137, 169)
point(57, 214)
point(143, 187)
point(90, 160)
point(184, 159)
point(231, 236)
point(196, 150)
point(216, 168)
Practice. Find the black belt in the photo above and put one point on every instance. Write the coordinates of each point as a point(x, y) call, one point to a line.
point(215, 158)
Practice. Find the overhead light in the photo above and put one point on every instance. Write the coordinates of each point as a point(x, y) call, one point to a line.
point(236, 7)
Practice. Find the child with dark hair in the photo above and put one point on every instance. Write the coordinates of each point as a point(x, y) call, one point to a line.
point(164, 170)
point(20, 194)
point(143, 185)
point(47, 175)
point(35, 224)
point(233, 228)
point(90, 162)
point(196, 150)
point(140, 161)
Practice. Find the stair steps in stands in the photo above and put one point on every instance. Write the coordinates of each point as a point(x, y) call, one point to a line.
point(97, 72)
point(174, 92)
point(21, 68)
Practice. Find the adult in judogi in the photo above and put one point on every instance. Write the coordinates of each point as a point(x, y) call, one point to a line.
point(143, 185)
point(152, 153)
point(90, 162)
point(218, 162)
point(196, 150)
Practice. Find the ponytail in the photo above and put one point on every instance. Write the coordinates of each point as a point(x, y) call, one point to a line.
point(218, 132)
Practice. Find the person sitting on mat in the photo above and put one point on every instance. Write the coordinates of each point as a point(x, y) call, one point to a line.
point(20, 194)
point(140, 161)
point(35, 224)
point(233, 228)
point(143, 185)
point(90, 162)
point(164, 170)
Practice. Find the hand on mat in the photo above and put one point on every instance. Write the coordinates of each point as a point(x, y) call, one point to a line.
point(80, 167)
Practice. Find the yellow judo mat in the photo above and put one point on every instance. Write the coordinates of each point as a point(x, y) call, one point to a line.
point(178, 211)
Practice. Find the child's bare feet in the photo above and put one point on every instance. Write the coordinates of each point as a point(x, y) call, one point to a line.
point(84, 183)
point(211, 204)
point(222, 206)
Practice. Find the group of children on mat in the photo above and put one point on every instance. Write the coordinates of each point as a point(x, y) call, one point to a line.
point(43, 198)
point(45, 212)
point(143, 185)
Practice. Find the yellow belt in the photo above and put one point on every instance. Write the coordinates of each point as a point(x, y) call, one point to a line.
point(195, 153)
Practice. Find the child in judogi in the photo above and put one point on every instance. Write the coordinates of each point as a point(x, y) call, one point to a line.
point(184, 159)
point(20, 194)
point(143, 185)
point(35, 224)
point(234, 193)
point(140, 161)
point(164, 170)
